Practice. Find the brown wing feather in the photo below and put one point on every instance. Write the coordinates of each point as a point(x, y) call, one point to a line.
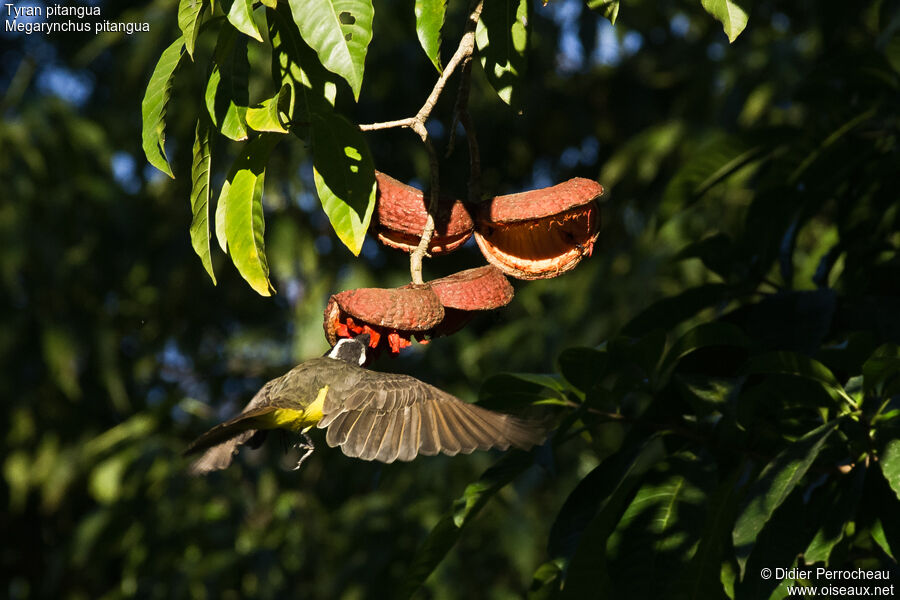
point(388, 417)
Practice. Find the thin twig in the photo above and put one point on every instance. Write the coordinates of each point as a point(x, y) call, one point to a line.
point(463, 56)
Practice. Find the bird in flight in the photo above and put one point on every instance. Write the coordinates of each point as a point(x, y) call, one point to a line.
point(369, 415)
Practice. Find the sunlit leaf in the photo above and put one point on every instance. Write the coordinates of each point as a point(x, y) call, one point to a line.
point(502, 40)
point(429, 22)
point(731, 13)
point(607, 8)
point(241, 16)
point(773, 486)
point(344, 176)
point(153, 107)
point(241, 197)
point(273, 114)
point(189, 19)
point(227, 95)
point(296, 65)
point(339, 31)
point(200, 171)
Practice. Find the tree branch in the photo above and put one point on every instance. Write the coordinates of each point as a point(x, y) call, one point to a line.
point(463, 55)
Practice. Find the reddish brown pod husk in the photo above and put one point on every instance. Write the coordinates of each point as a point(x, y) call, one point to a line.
point(391, 317)
point(542, 233)
point(401, 211)
point(465, 293)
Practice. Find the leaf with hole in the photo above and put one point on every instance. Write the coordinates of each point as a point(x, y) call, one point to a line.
point(339, 31)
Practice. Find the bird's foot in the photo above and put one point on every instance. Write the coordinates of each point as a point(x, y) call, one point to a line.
point(304, 444)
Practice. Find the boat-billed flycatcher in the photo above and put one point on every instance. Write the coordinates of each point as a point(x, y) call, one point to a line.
point(370, 415)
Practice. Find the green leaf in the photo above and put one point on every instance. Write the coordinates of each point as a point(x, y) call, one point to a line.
point(881, 371)
point(702, 577)
point(669, 312)
point(449, 529)
point(703, 336)
point(241, 16)
point(788, 363)
point(732, 14)
point(241, 198)
point(345, 177)
point(339, 31)
point(607, 8)
point(658, 533)
point(296, 65)
point(890, 464)
point(773, 486)
point(841, 508)
point(429, 22)
point(502, 40)
point(200, 170)
point(189, 19)
point(510, 391)
point(583, 367)
point(227, 95)
point(153, 107)
point(272, 114)
point(587, 575)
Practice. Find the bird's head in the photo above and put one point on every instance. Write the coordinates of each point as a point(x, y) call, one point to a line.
point(351, 350)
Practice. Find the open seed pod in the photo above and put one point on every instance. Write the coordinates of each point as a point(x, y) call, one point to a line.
point(389, 316)
point(542, 233)
point(401, 211)
point(465, 293)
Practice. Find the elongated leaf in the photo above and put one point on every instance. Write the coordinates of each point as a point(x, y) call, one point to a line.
point(607, 8)
point(702, 336)
point(841, 509)
point(788, 363)
point(272, 114)
point(345, 177)
point(429, 22)
point(587, 575)
point(189, 19)
point(241, 16)
point(881, 371)
point(339, 31)
point(773, 486)
point(511, 391)
point(296, 65)
point(153, 106)
point(668, 312)
point(241, 197)
point(890, 465)
point(502, 40)
point(732, 14)
point(658, 533)
point(449, 529)
point(227, 95)
point(702, 578)
point(583, 367)
point(200, 170)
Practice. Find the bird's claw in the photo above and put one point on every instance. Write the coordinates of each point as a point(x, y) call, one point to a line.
point(304, 444)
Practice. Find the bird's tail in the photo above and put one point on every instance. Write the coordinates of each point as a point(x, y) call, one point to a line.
point(222, 442)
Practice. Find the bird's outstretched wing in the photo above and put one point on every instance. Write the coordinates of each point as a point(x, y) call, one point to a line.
point(388, 417)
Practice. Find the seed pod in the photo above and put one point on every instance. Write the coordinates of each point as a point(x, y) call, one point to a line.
point(391, 315)
point(542, 233)
point(465, 293)
point(482, 288)
point(401, 211)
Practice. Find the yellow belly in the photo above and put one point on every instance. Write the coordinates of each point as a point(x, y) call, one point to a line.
point(297, 419)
